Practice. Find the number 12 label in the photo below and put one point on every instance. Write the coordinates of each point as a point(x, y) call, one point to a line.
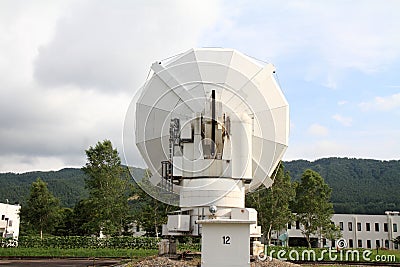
point(226, 240)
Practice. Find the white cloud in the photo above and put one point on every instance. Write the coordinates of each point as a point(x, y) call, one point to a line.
point(330, 82)
point(108, 45)
point(24, 26)
point(312, 150)
point(330, 36)
point(318, 130)
point(351, 39)
point(59, 124)
point(70, 68)
point(342, 102)
point(18, 163)
point(345, 121)
point(379, 103)
point(356, 145)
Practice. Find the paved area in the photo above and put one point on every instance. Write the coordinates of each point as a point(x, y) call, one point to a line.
point(58, 262)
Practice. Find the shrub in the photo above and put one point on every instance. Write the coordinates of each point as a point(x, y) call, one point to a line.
point(72, 242)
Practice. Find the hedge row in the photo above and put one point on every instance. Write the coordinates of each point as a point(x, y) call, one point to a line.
point(71, 242)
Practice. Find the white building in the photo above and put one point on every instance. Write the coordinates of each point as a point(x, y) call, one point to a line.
point(9, 220)
point(359, 230)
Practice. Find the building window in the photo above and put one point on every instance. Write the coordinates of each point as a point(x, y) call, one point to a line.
point(350, 224)
point(386, 243)
point(395, 227)
point(333, 242)
point(385, 227)
point(341, 226)
point(376, 227)
point(297, 224)
point(378, 243)
point(368, 243)
point(368, 227)
point(358, 226)
point(351, 243)
point(10, 223)
point(359, 243)
point(289, 226)
point(3, 217)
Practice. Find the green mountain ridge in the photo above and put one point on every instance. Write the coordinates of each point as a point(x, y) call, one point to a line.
point(365, 186)
point(67, 184)
point(358, 185)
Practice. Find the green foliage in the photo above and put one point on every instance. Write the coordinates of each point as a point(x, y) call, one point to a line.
point(81, 218)
point(332, 232)
point(66, 184)
point(312, 204)
point(364, 186)
point(397, 240)
point(65, 223)
point(272, 203)
point(41, 209)
point(108, 185)
point(73, 242)
point(193, 247)
point(148, 211)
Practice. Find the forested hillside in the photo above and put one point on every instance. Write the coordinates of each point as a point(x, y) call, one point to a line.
point(66, 184)
point(358, 185)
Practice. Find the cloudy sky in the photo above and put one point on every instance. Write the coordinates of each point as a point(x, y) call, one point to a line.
point(69, 70)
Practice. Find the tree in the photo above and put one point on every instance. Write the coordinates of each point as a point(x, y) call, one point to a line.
point(148, 212)
point(82, 221)
point(397, 240)
point(64, 225)
point(272, 203)
point(331, 232)
point(312, 204)
point(41, 208)
point(108, 185)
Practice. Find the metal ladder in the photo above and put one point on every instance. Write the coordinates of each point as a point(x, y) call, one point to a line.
point(166, 182)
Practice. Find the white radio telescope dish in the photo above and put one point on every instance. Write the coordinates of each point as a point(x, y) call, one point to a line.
point(210, 113)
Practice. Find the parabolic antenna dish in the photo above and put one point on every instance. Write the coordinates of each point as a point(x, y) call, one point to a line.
point(244, 88)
